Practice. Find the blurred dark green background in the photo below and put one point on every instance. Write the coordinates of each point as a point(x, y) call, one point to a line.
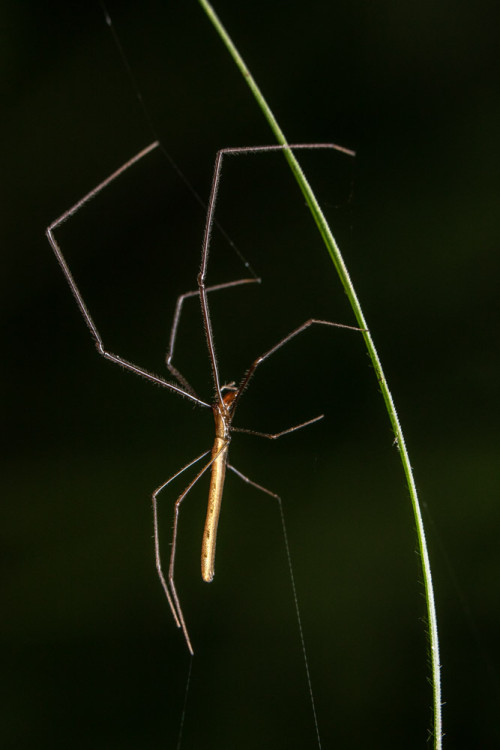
point(90, 656)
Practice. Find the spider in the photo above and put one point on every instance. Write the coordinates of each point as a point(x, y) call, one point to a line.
point(227, 396)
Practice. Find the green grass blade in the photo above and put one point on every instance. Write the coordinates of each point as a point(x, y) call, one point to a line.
point(343, 273)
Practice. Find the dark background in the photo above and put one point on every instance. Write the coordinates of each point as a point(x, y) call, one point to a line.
point(90, 656)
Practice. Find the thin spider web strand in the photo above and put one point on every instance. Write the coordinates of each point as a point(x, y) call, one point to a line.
point(294, 590)
point(150, 123)
point(299, 621)
point(184, 704)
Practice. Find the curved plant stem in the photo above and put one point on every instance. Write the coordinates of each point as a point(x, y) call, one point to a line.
point(343, 273)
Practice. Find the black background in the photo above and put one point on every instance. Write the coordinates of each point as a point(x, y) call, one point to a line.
point(90, 656)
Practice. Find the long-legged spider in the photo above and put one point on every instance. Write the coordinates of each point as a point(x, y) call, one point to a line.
point(226, 398)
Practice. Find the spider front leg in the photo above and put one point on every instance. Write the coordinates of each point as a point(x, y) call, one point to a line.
point(89, 322)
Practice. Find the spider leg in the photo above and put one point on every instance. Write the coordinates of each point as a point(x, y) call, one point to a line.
point(170, 588)
point(250, 372)
point(275, 435)
point(78, 295)
point(209, 222)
